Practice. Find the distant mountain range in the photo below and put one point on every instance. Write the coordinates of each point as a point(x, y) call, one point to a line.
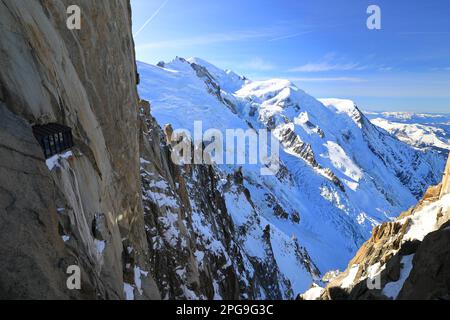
point(420, 130)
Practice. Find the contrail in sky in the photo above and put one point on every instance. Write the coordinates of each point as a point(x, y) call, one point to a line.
point(290, 36)
point(151, 18)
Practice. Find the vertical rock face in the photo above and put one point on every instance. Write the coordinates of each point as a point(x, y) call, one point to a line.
point(85, 209)
point(446, 181)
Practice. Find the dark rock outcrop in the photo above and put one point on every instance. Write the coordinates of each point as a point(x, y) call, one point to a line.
point(430, 276)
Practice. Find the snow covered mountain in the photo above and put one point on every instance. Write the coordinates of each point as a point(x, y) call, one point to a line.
point(419, 130)
point(340, 175)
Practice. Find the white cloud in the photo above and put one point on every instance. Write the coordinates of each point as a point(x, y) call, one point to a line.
point(258, 64)
point(329, 79)
point(330, 62)
point(326, 66)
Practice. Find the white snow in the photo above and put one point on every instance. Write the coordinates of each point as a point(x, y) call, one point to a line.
point(199, 255)
point(227, 79)
point(424, 221)
point(54, 161)
point(161, 184)
point(350, 278)
point(415, 134)
point(375, 269)
point(217, 296)
point(138, 273)
point(420, 130)
point(313, 293)
point(392, 289)
point(162, 199)
point(342, 162)
point(341, 105)
point(100, 245)
point(283, 247)
point(129, 291)
point(172, 233)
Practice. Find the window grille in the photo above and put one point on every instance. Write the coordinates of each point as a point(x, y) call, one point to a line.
point(54, 138)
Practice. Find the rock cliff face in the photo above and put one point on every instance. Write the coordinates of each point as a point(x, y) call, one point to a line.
point(408, 258)
point(446, 181)
point(86, 208)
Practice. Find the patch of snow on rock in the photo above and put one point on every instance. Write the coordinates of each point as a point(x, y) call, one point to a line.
point(392, 289)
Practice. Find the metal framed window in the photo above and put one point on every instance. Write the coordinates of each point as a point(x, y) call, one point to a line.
point(54, 138)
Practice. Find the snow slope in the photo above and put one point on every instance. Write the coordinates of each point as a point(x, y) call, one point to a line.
point(340, 175)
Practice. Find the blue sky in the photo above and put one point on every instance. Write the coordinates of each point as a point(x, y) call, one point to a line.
point(323, 46)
